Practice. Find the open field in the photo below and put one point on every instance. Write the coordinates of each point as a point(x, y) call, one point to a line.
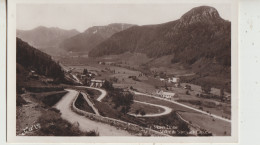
point(197, 89)
point(216, 126)
point(82, 104)
point(209, 106)
point(148, 84)
point(161, 102)
point(148, 109)
point(93, 94)
point(215, 106)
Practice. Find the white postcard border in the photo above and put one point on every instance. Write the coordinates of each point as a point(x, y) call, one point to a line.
point(11, 83)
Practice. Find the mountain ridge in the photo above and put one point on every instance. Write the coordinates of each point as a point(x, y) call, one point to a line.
point(199, 33)
point(44, 37)
point(92, 36)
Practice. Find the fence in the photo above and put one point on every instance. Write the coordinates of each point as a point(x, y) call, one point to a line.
point(117, 123)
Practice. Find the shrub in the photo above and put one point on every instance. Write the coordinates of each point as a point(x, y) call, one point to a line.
point(206, 88)
point(183, 129)
point(52, 125)
point(142, 112)
point(20, 101)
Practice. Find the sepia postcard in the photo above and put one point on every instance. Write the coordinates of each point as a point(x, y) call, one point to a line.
point(122, 71)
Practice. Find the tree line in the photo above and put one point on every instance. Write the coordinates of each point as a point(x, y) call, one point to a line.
point(122, 100)
point(38, 61)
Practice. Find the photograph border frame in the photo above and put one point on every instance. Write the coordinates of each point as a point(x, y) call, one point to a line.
point(11, 17)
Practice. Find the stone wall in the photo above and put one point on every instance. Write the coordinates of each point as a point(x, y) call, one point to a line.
point(132, 128)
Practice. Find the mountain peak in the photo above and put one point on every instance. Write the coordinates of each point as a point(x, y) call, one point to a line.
point(200, 14)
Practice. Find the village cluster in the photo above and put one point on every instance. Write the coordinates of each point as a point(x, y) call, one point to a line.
point(89, 79)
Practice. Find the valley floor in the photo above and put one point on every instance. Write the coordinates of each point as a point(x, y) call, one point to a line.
point(148, 84)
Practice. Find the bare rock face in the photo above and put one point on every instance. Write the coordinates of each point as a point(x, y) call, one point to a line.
point(202, 14)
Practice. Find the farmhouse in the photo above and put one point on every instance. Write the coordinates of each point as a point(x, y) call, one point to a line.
point(188, 87)
point(100, 62)
point(110, 63)
point(174, 80)
point(49, 80)
point(32, 74)
point(166, 95)
point(96, 83)
point(162, 79)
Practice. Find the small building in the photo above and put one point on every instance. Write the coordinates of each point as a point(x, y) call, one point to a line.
point(100, 62)
point(174, 80)
point(49, 80)
point(32, 72)
point(162, 79)
point(166, 95)
point(110, 63)
point(33, 75)
point(96, 83)
point(188, 87)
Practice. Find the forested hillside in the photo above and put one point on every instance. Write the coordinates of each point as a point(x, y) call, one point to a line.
point(33, 59)
point(199, 34)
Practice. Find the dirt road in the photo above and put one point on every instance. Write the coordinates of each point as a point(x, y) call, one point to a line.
point(186, 106)
point(85, 124)
point(103, 92)
point(166, 111)
point(90, 103)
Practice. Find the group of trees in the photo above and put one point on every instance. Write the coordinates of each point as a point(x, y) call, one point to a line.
point(87, 79)
point(206, 88)
point(85, 71)
point(121, 99)
point(34, 59)
point(140, 111)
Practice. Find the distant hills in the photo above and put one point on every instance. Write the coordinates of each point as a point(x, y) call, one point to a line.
point(55, 40)
point(198, 43)
point(199, 34)
point(45, 38)
point(93, 36)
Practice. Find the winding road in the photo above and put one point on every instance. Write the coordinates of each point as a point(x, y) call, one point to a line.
point(166, 111)
point(85, 96)
point(103, 92)
point(186, 106)
point(85, 124)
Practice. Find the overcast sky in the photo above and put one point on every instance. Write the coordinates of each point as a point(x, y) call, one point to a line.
point(83, 16)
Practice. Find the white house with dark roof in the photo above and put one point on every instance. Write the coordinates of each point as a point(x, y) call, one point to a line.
point(166, 95)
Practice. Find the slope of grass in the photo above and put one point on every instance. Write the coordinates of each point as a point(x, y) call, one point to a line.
point(82, 104)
